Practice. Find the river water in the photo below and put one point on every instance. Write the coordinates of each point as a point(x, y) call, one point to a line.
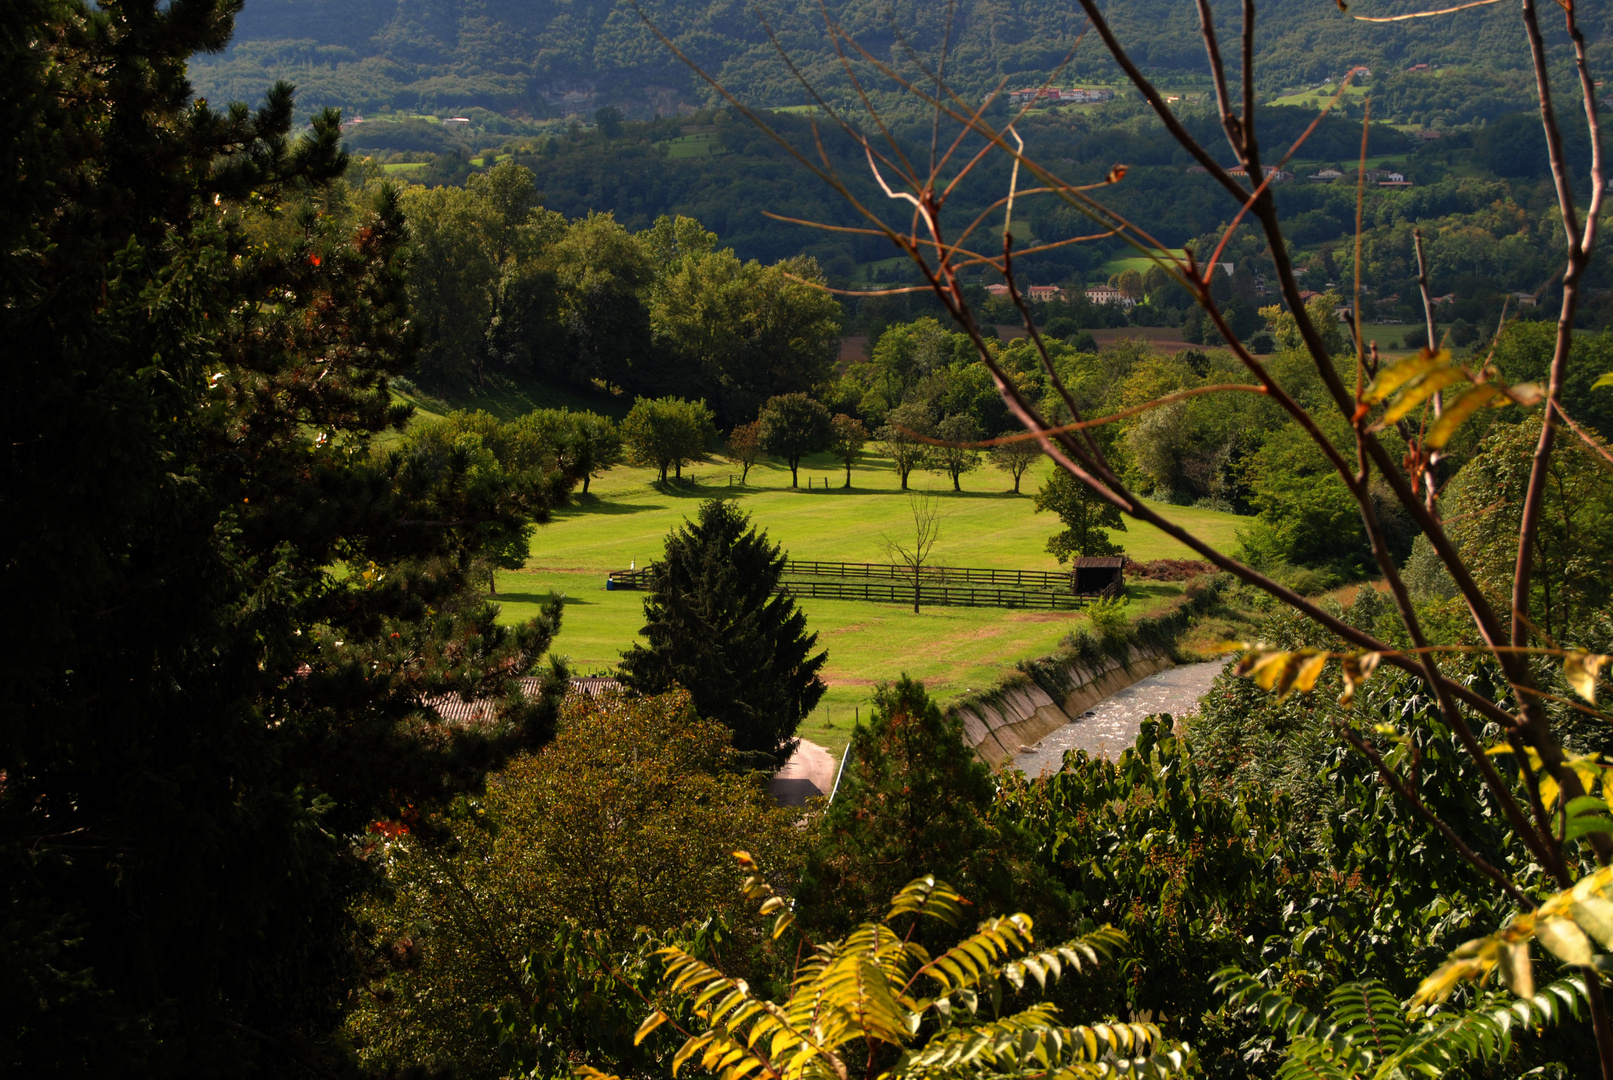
point(1112, 724)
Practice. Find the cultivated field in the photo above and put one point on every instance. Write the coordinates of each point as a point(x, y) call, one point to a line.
point(625, 518)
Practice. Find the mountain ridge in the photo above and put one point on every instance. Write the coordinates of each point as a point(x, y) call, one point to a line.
point(555, 58)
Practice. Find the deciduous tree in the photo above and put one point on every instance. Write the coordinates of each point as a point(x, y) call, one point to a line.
point(745, 447)
point(1016, 457)
point(1085, 517)
point(899, 438)
point(794, 425)
point(618, 831)
point(667, 433)
point(955, 456)
point(846, 439)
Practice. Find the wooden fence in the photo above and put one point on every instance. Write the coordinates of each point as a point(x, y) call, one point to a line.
point(883, 583)
point(932, 595)
point(1018, 579)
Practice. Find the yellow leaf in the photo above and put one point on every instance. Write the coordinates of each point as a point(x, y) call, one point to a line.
point(651, 1022)
point(1596, 916)
point(1309, 671)
point(1393, 378)
point(1420, 391)
point(1357, 669)
point(1581, 669)
point(1457, 412)
point(1549, 792)
point(1566, 941)
point(1268, 669)
point(1516, 971)
point(771, 904)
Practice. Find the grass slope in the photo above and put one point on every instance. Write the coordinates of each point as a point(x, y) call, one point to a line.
point(626, 518)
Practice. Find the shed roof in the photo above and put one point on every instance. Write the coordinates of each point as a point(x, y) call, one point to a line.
point(1096, 562)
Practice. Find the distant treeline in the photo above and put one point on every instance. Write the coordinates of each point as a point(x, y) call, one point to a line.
point(542, 60)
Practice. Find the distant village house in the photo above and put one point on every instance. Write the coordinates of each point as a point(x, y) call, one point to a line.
point(1276, 175)
point(1108, 294)
point(1054, 95)
point(1039, 293)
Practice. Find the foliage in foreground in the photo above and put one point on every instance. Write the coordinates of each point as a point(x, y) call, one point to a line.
point(231, 609)
point(518, 924)
point(877, 1003)
point(1367, 1034)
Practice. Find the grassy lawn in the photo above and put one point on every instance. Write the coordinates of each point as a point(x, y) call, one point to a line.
point(699, 144)
point(1139, 263)
point(1389, 336)
point(1320, 95)
point(403, 167)
point(626, 517)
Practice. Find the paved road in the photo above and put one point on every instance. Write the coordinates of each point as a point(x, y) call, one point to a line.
point(1112, 724)
point(810, 772)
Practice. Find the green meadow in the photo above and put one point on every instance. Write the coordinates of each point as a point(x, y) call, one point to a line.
point(626, 516)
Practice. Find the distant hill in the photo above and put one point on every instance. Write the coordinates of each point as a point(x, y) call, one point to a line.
point(549, 58)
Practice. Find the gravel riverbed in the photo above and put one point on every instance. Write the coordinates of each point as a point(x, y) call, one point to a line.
point(1112, 724)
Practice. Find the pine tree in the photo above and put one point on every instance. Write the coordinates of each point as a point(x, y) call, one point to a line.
point(226, 608)
point(716, 627)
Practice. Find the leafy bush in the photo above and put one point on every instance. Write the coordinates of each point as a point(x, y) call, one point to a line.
point(607, 844)
point(1108, 617)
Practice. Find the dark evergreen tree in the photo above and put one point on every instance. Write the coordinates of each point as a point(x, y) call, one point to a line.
point(199, 719)
point(716, 627)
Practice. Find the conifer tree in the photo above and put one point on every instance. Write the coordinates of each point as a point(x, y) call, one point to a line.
point(715, 626)
point(227, 606)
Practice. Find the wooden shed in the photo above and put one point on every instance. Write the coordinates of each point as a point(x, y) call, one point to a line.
point(1091, 574)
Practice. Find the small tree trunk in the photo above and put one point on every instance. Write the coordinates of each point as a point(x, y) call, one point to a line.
point(492, 586)
point(915, 588)
point(794, 464)
point(1016, 483)
point(585, 483)
point(955, 486)
point(904, 479)
point(848, 474)
point(744, 471)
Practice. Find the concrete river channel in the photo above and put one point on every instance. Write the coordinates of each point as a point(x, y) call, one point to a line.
point(1112, 724)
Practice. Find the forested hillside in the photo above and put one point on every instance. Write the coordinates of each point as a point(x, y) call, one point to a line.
point(552, 59)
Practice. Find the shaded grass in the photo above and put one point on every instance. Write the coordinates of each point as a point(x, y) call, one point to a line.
point(627, 516)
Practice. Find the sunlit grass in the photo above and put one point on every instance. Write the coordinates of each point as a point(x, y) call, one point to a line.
point(626, 517)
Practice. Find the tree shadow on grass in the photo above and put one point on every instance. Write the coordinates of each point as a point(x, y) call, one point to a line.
point(593, 504)
point(539, 598)
point(939, 494)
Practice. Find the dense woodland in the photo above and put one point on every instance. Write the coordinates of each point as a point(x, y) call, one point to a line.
point(524, 59)
point(246, 585)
